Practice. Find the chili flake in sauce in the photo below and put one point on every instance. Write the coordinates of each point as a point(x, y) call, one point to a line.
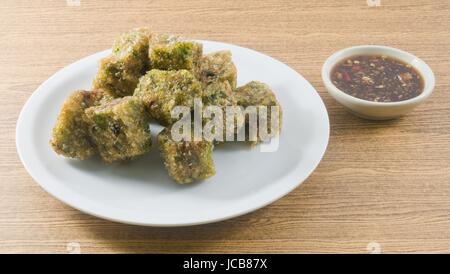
point(377, 78)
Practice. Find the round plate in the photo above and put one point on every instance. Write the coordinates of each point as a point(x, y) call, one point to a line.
point(140, 192)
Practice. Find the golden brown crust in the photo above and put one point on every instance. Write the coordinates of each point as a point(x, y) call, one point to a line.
point(220, 94)
point(119, 73)
point(119, 129)
point(174, 53)
point(186, 161)
point(217, 66)
point(257, 94)
point(162, 90)
point(70, 135)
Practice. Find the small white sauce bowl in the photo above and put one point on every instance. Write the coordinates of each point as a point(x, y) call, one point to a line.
point(377, 110)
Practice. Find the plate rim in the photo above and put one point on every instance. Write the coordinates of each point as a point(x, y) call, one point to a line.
point(60, 197)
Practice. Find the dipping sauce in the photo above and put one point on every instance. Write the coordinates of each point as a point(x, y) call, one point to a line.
point(377, 78)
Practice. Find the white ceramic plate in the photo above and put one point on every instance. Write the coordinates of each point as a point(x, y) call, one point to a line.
point(140, 192)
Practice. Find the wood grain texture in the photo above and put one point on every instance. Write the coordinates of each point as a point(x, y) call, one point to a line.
point(383, 182)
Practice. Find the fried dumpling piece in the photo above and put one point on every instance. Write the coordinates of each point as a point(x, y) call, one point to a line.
point(70, 136)
point(162, 90)
point(119, 129)
point(186, 161)
point(220, 94)
point(217, 66)
point(174, 53)
point(119, 73)
point(258, 94)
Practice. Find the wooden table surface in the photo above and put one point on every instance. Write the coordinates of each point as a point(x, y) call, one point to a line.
point(382, 186)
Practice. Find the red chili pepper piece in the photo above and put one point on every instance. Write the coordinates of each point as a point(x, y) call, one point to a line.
point(356, 68)
point(347, 77)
